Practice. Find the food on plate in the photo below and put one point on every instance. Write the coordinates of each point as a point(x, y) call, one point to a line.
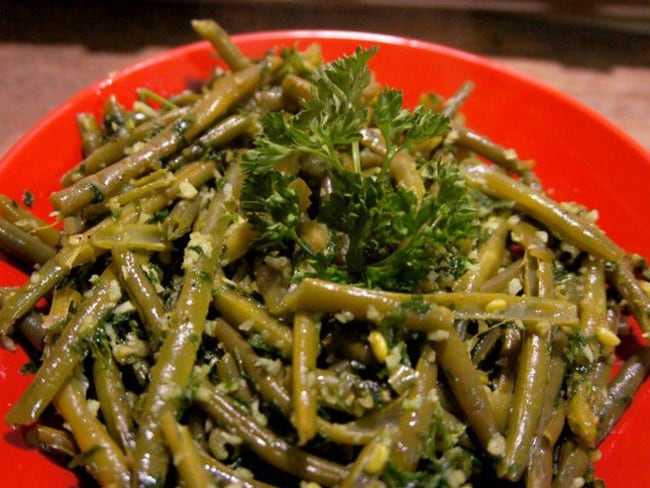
point(288, 279)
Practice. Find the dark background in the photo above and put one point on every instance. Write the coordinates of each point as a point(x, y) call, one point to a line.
point(597, 51)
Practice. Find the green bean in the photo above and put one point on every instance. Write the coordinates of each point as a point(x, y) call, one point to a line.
point(268, 386)
point(533, 362)
point(239, 241)
point(581, 411)
point(111, 395)
point(51, 441)
point(114, 116)
point(323, 296)
point(462, 376)
point(452, 105)
point(506, 158)
point(219, 38)
point(226, 354)
point(490, 256)
point(527, 404)
point(418, 414)
point(79, 252)
point(24, 219)
point(622, 390)
point(593, 306)
point(252, 318)
point(91, 134)
point(371, 461)
point(219, 135)
point(102, 457)
point(623, 279)
point(181, 218)
point(573, 229)
point(600, 378)
point(340, 382)
point(68, 350)
point(538, 270)
point(306, 338)
point(187, 460)
point(6, 292)
point(296, 87)
point(23, 245)
point(350, 346)
point(551, 419)
point(115, 150)
point(184, 98)
point(272, 391)
point(142, 293)
point(272, 285)
point(227, 475)
point(21, 301)
point(485, 344)
point(31, 328)
point(226, 92)
point(65, 300)
point(540, 464)
point(505, 307)
point(504, 384)
point(145, 99)
point(134, 236)
point(171, 372)
point(360, 431)
point(153, 182)
point(499, 282)
point(265, 444)
point(574, 462)
point(230, 375)
point(405, 173)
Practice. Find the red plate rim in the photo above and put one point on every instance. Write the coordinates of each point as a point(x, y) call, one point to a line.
point(327, 34)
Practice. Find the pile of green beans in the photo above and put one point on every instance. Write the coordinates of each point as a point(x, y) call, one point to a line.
point(173, 353)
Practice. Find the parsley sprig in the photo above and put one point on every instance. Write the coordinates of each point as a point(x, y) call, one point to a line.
point(394, 242)
point(382, 236)
point(401, 128)
point(330, 120)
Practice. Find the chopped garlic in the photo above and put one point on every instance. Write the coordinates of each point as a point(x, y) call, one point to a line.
point(438, 335)
point(124, 307)
point(606, 337)
point(378, 459)
point(187, 190)
point(344, 316)
point(496, 305)
point(578, 482)
point(93, 407)
point(309, 484)
point(373, 314)
point(378, 345)
point(514, 286)
point(497, 445)
point(115, 291)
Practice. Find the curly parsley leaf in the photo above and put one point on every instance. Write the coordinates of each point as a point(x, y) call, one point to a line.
point(273, 208)
point(381, 236)
point(330, 119)
point(394, 243)
point(401, 128)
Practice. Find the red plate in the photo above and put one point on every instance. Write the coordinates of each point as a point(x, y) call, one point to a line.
point(580, 156)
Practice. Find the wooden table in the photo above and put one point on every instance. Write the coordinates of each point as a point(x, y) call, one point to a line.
point(42, 64)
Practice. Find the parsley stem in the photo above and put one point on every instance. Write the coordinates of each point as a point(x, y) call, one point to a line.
point(145, 94)
point(356, 157)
